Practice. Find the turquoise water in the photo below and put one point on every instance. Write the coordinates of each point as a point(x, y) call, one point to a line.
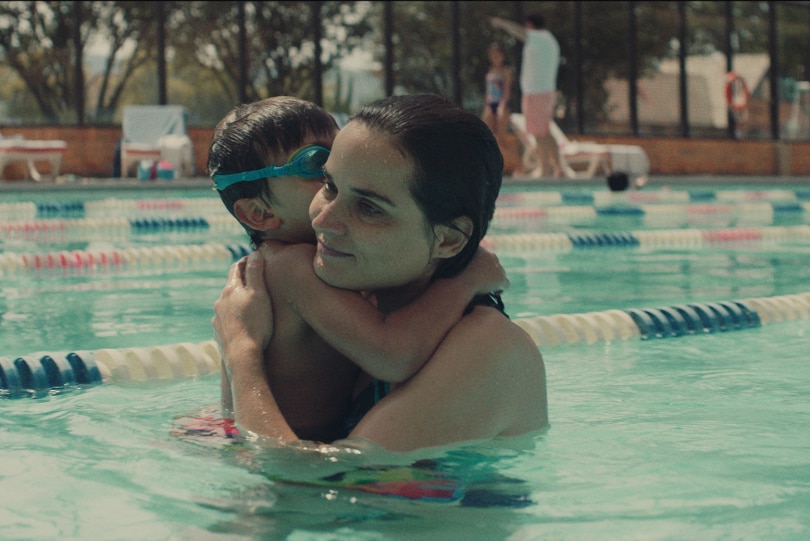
point(698, 437)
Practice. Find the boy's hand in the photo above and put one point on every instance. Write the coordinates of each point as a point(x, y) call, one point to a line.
point(243, 318)
point(486, 273)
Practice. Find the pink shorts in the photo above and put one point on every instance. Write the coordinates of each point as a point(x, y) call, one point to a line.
point(538, 110)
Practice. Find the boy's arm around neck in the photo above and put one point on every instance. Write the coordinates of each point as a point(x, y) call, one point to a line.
point(390, 347)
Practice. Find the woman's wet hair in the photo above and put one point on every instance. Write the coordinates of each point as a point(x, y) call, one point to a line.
point(458, 166)
point(262, 133)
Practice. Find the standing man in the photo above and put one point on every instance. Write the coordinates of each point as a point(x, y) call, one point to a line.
point(538, 83)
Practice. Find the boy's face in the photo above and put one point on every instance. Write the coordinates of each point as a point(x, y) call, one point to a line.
point(292, 196)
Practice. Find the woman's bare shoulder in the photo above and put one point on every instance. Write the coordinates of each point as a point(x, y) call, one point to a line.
point(493, 330)
point(505, 367)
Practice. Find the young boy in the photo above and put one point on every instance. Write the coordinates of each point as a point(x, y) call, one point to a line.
point(266, 161)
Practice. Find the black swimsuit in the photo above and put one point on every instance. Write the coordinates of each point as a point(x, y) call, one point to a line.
point(377, 389)
point(492, 300)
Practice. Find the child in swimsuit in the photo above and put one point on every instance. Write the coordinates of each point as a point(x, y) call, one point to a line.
point(498, 90)
point(266, 162)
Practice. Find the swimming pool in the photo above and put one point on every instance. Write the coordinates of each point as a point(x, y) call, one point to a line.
point(677, 392)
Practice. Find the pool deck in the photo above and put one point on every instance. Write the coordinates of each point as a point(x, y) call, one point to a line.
point(655, 182)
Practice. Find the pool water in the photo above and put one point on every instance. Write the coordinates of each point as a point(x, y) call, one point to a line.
point(696, 437)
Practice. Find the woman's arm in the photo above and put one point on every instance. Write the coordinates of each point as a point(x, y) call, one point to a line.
point(487, 379)
point(391, 347)
point(243, 326)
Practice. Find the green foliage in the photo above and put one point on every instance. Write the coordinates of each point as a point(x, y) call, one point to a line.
point(422, 29)
point(340, 100)
point(280, 49)
point(204, 52)
point(35, 42)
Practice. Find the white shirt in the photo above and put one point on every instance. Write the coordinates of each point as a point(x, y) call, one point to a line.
point(541, 59)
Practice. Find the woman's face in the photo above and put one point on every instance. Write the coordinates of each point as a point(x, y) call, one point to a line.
point(371, 234)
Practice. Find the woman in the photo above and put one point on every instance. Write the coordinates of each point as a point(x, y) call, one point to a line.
point(266, 160)
point(409, 191)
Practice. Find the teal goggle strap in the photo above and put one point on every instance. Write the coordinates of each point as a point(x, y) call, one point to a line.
point(308, 162)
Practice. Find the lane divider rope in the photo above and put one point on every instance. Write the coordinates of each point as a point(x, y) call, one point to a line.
point(692, 238)
point(144, 256)
point(552, 198)
point(83, 228)
point(133, 257)
point(111, 207)
point(39, 373)
point(28, 210)
point(746, 210)
point(80, 228)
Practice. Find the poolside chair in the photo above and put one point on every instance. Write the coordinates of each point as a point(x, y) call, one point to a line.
point(578, 159)
point(584, 159)
point(19, 149)
point(154, 133)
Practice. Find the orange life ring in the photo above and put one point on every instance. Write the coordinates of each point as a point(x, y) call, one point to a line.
point(737, 93)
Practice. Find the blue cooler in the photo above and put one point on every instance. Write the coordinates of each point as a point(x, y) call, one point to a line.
point(165, 170)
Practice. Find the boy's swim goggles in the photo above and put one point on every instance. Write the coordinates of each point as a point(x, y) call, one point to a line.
point(307, 162)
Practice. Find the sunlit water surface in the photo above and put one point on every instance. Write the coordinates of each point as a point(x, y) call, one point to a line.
point(698, 437)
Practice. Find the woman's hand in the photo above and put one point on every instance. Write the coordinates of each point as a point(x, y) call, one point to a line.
point(243, 326)
point(243, 319)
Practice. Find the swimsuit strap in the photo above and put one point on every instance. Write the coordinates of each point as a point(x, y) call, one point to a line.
point(492, 300)
point(377, 389)
point(373, 393)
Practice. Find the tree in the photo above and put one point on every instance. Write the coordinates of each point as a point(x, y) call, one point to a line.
point(279, 43)
point(35, 38)
point(128, 29)
point(202, 46)
point(422, 57)
point(37, 42)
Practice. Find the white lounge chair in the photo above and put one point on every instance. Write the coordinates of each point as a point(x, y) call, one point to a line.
point(19, 149)
point(156, 132)
point(584, 159)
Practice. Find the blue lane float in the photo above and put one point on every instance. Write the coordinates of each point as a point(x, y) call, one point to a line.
point(39, 375)
point(168, 224)
point(43, 374)
point(667, 321)
point(681, 320)
point(574, 198)
point(238, 251)
point(599, 239)
point(702, 197)
point(620, 211)
point(783, 208)
point(68, 209)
